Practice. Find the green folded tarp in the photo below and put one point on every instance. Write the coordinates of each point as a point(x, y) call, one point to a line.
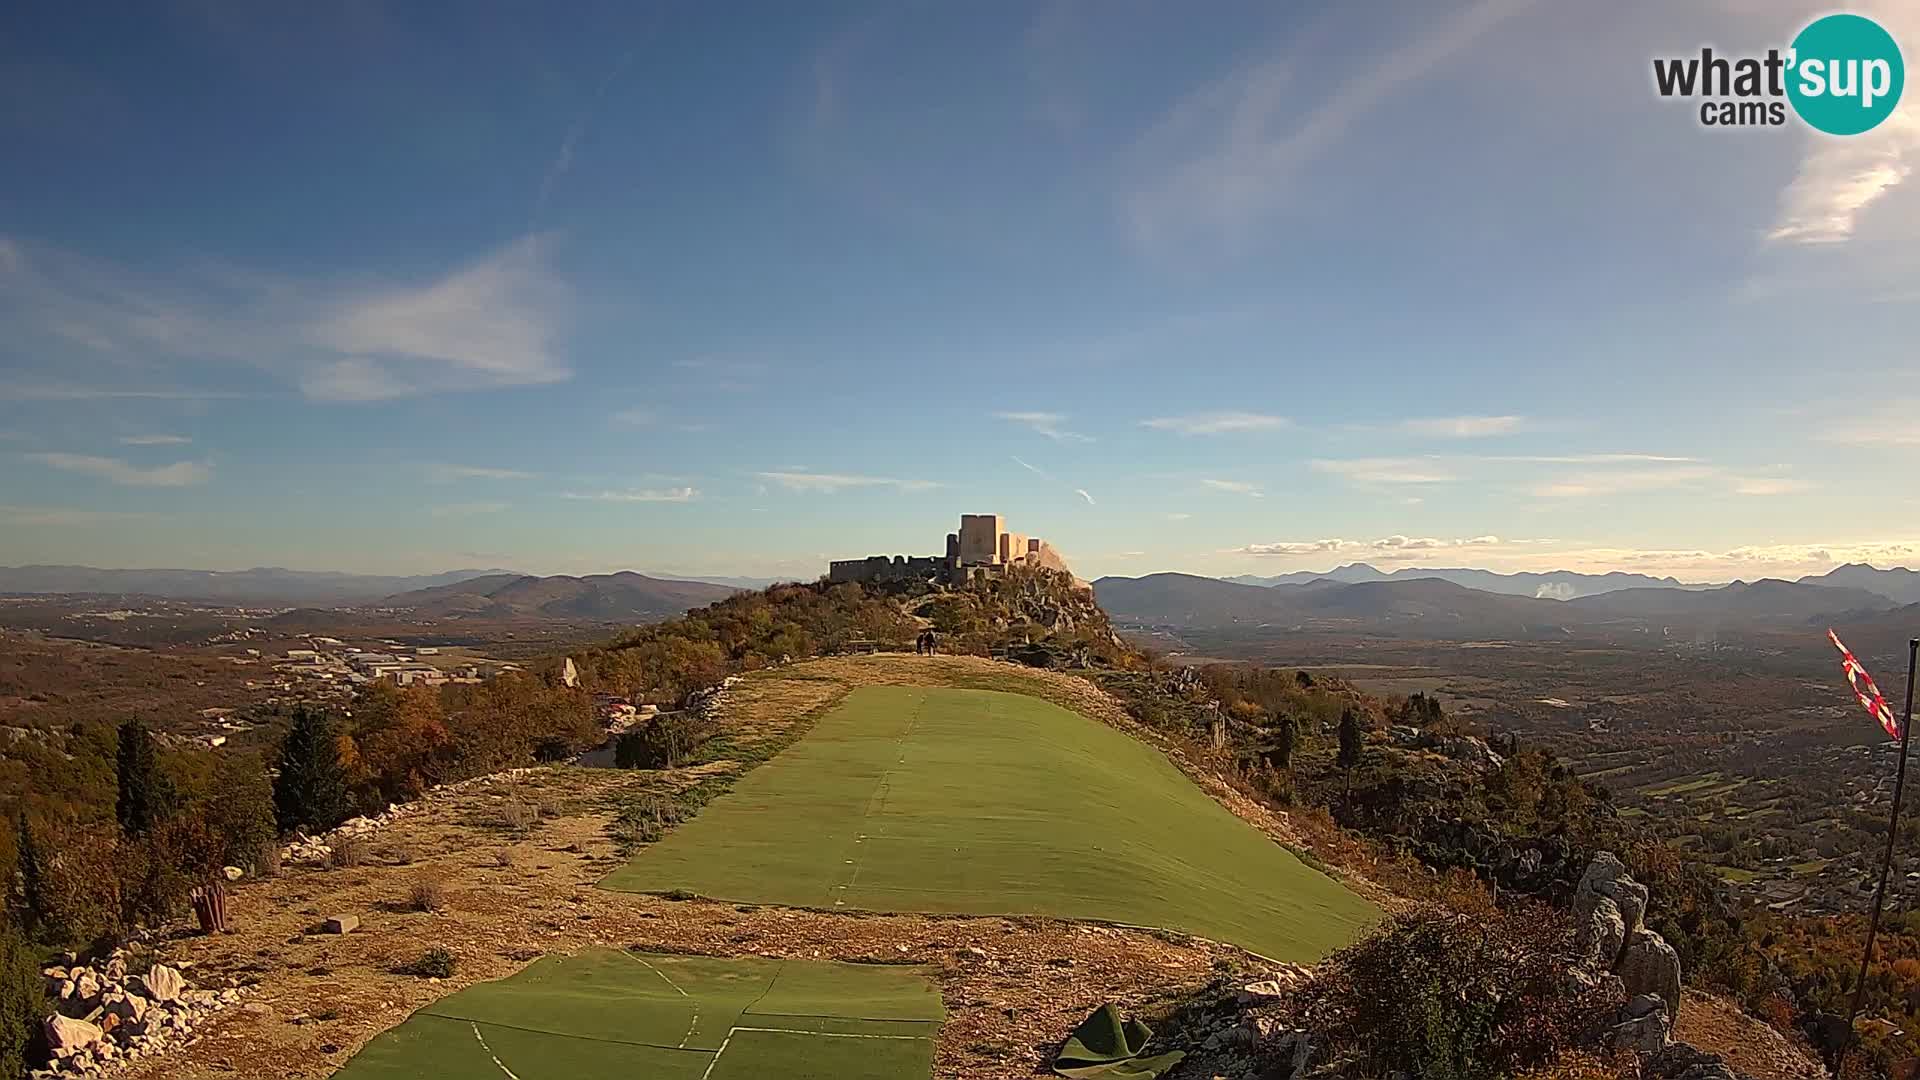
point(1104, 1047)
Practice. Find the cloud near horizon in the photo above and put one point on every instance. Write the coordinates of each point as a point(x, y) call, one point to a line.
point(1217, 423)
point(1234, 487)
point(1395, 547)
point(447, 474)
point(643, 495)
point(833, 483)
point(179, 474)
point(1463, 427)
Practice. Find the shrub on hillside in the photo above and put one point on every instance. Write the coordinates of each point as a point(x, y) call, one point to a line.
point(428, 893)
point(240, 812)
point(71, 882)
point(1448, 996)
point(435, 963)
point(347, 852)
point(664, 742)
point(23, 1001)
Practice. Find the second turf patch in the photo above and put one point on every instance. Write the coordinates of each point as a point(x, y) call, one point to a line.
point(978, 802)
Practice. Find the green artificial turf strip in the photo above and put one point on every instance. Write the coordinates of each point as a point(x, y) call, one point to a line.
point(988, 803)
point(625, 1015)
point(853, 991)
point(437, 1048)
point(763, 1055)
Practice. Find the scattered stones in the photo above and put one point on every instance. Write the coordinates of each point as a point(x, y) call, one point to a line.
point(120, 1017)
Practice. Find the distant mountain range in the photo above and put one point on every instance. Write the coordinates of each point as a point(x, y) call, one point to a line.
point(1898, 584)
point(621, 595)
point(1554, 585)
point(618, 597)
point(1426, 606)
point(267, 586)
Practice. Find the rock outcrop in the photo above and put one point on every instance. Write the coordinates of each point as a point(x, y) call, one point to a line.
point(1610, 910)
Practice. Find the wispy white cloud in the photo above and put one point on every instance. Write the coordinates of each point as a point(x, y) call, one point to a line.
point(1387, 548)
point(1540, 555)
point(1223, 161)
point(467, 509)
point(1463, 427)
point(494, 322)
point(832, 483)
point(1894, 422)
point(56, 391)
point(447, 474)
point(1235, 487)
point(1178, 515)
point(1217, 423)
point(1662, 477)
point(1768, 485)
point(1045, 423)
point(642, 495)
point(563, 159)
point(154, 440)
point(639, 416)
point(1625, 481)
point(1583, 459)
point(1841, 179)
point(55, 517)
point(179, 474)
point(1082, 492)
point(1384, 471)
point(354, 379)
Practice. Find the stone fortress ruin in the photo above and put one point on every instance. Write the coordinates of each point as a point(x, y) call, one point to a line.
point(982, 548)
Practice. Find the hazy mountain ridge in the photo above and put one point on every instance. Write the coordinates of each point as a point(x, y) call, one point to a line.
point(1444, 609)
point(266, 585)
point(1897, 583)
point(621, 596)
point(1553, 585)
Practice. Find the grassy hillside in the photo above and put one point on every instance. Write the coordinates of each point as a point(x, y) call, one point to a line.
point(975, 802)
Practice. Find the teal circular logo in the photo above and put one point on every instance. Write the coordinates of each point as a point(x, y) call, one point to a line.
point(1846, 74)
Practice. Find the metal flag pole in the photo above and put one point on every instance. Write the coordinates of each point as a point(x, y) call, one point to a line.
point(1886, 866)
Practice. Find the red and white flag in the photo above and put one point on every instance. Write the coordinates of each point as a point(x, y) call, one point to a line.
point(1865, 689)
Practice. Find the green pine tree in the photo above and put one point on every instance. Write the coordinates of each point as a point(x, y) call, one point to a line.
point(145, 796)
point(311, 790)
point(32, 903)
point(1352, 742)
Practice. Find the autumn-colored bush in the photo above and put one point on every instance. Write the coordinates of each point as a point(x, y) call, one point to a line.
point(1448, 996)
point(427, 893)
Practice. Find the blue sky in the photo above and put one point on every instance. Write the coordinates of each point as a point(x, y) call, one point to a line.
point(738, 288)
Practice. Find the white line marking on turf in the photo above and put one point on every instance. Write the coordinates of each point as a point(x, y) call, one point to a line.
point(496, 1059)
point(731, 1032)
point(827, 1034)
point(695, 1022)
point(717, 1053)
